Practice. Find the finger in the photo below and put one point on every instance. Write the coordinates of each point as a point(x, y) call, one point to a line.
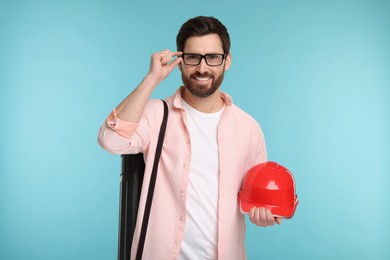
point(166, 51)
point(255, 217)
point(175, 62)
point(263, 217)
point(251, 214)
point(270, 217)
point(176, 53)
point(278, 220)
point(165, 58)
point(169, 67)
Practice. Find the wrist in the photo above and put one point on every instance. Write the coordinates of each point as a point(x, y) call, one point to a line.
point(151, 81)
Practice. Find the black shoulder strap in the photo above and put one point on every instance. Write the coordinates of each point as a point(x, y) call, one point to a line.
point(152, 184)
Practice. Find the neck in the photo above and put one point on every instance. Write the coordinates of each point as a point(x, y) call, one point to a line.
point(210, 104)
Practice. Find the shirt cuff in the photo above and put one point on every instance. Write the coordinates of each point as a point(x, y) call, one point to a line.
point(121, 127)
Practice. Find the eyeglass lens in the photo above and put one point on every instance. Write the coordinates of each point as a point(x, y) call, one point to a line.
point(211, 59)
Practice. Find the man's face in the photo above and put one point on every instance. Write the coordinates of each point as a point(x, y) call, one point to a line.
point(203, 80)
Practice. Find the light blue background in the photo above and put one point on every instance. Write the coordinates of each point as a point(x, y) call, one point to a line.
point(315, 74)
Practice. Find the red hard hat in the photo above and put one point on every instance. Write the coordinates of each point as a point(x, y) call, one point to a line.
point(269, 185)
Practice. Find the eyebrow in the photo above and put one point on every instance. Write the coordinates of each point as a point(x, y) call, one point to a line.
point(189, 52)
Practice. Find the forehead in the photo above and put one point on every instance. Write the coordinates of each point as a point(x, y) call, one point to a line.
point(210, 43)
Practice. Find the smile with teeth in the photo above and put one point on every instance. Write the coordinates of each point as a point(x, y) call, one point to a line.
point(203, 79)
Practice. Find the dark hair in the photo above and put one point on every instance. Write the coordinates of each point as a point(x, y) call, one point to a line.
point(200, 26)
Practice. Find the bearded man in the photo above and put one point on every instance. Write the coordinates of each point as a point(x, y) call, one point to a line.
point(209, 146)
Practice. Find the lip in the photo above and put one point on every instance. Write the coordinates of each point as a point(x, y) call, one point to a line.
point(202, 80)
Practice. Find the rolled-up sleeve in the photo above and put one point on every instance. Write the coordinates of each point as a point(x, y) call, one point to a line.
point(122, 128)
point(114, 134)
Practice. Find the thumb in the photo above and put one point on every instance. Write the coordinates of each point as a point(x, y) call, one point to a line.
point(173, 64)
point(176, 61)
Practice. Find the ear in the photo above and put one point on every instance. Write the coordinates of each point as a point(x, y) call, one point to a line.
point(228, 61)
point(180, 66)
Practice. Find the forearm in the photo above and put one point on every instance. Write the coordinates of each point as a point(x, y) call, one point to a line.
point(120, 125)
point(131, 108)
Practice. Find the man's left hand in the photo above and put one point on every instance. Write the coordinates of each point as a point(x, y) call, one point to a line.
point(263, 217)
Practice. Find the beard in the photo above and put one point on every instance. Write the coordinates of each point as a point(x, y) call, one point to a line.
point(200, 90)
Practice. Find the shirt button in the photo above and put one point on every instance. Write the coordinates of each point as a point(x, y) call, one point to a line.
point(182, 218)
point(187, 141)
point(177, 243)
point(185, 166)
point(182, 194)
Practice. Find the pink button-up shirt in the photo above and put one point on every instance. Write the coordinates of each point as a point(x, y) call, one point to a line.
point(241, 146)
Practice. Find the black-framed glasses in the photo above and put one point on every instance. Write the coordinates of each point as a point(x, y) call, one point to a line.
point(212, 59)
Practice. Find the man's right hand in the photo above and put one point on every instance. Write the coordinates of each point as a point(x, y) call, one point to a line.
point(161, 64)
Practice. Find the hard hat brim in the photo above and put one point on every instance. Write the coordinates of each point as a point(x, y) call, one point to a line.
point(287, 213)
point(245, 207)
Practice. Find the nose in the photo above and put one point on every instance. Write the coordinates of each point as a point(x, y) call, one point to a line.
point(202, 67)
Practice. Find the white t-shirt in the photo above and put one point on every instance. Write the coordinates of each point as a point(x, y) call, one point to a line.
point(201, 230)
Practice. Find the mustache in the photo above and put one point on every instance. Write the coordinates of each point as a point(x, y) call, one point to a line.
point(201, 75)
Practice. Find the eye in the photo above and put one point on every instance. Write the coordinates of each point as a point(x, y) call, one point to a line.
point(213, 56)
point(192, 57)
